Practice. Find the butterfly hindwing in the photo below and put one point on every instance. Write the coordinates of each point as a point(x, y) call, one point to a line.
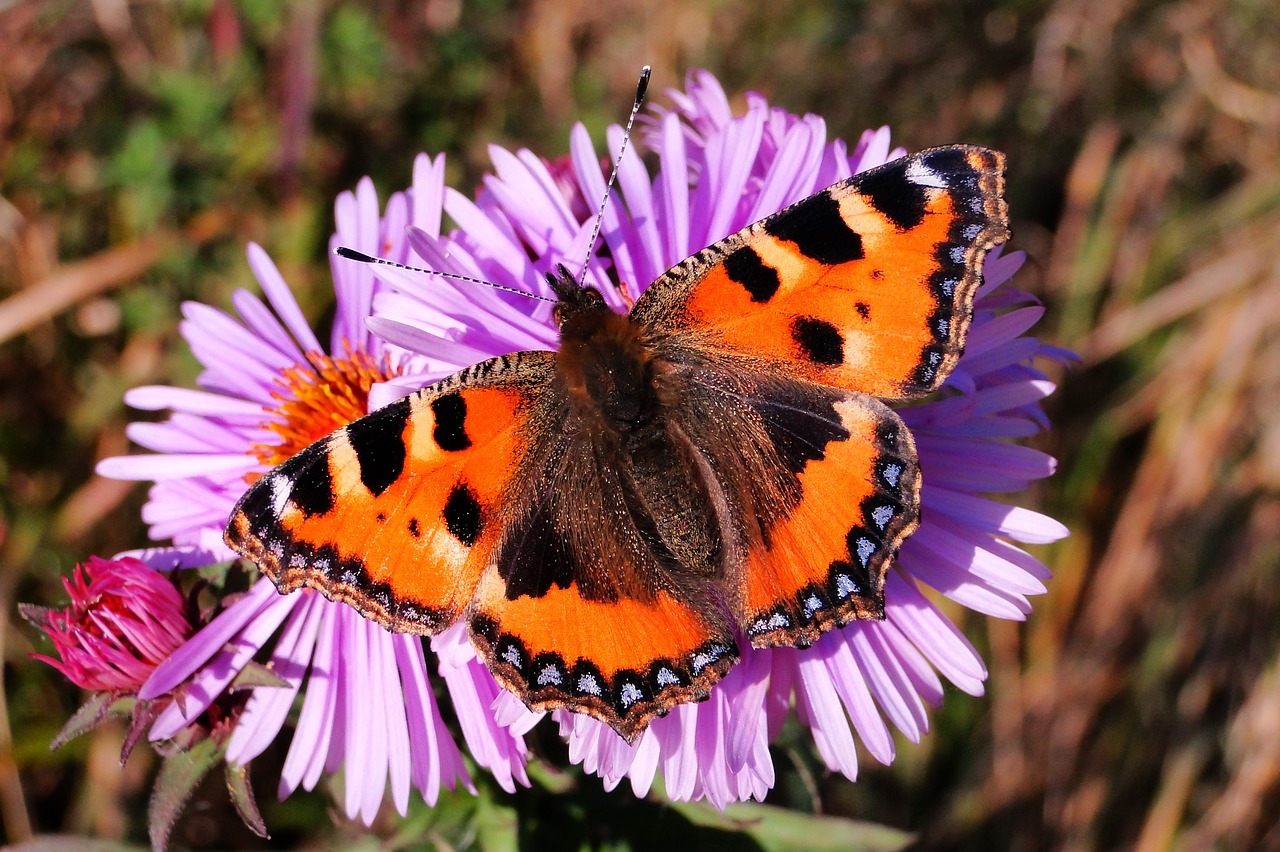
point(601, 596)
point(824, 485)
point(867, 285)
point(398, 512)
point(822, 564)
point(622, 660)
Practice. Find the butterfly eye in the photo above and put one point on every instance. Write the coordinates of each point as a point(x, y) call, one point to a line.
point(591, 298)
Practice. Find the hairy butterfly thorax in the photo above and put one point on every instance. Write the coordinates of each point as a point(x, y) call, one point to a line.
point(606, 362)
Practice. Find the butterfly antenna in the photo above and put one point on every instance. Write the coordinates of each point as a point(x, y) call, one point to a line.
point(352, 254)
point(641, 87)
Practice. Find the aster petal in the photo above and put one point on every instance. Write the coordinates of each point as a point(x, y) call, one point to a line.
point(356, 217)
point(226, 334)
point(712, 777)
point(305, 759)
point(436, 757)
point(186, 524)
point(944, 574)
point(873, 149)
point(426, 198)
point(672, 191)
point(677, 732)
point(441, 298)
point(998, 268)
point(887, 678)
point(622, 240)
point(851, 685)
point(820, 706)
point(523, 187)
point(212, 680)
point(206, 643)
point(1015, 396)
point(750, 685)
point(267, 708)
point(391, 228)
point(473, 691)
point(933, 635)
point(636, 188)
point(177, 436)
point(792, 173)
point(159, 397)
point(729, 160)
point(172, 465)
point(501, 246)
point(1002, 355)
point(450, 355)
point(703, 102)
point(953, 542)
point(974, 464)
point(226, 370)
point(365, 748)
point(265, 326)
point(997, 330)
point(644, 765)
point(171, 558)
point(386, 682)
point(922, 676)
point(281, 298)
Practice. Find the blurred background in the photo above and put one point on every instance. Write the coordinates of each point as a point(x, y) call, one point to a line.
point(142, 144)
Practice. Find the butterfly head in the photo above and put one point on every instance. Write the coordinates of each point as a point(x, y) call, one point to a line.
point(572, 298)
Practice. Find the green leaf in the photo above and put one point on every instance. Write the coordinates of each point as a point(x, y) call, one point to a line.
point(242, 797)
point(180, 774)
point(496, 826)
point(88, 717)
point(777, 829)
point(35, 614)
point(254, 675)
point(354, 59)
point(141, 170)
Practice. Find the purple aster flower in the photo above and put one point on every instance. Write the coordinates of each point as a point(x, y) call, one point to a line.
point(270, 389)
point(718, 173)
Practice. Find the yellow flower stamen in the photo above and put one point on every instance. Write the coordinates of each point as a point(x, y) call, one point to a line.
point(317, 397)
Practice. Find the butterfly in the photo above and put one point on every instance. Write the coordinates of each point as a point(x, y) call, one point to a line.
point(615, 520)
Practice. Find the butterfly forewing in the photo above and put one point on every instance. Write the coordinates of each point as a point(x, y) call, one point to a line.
point(823, 485)
point(398, 512)
point(867, 285)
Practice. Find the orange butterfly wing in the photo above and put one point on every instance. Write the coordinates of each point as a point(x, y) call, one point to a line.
point(622, 661)
point(398, 513)
point(866, 287)
point(823, 563)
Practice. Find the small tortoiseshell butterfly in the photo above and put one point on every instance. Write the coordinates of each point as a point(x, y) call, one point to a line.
point(613, 518)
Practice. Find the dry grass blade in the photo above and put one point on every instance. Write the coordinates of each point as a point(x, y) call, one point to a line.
point(83, 279)
point(78, 281)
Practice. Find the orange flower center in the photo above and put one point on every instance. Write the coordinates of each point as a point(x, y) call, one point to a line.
point(319, 397)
